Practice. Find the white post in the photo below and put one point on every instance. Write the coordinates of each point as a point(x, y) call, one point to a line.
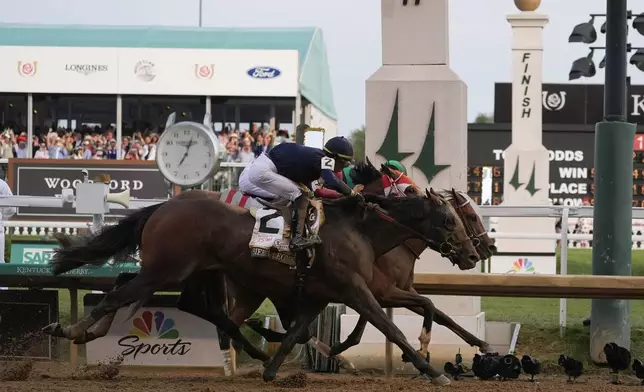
point(526, 165)
point(119, 126)
point(30, 125)
point(416, 113)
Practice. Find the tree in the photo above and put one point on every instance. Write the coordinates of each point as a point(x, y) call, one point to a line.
point(484, 118)
point(357, 139)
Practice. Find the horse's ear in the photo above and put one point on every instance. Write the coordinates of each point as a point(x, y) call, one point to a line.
point(455, 194)
point(432, 196)
point(366, 158)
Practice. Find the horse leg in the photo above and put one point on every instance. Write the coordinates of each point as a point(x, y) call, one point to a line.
point(360, 298)
point(443, 319)
point(204, 297)
point(141, 287)
point(352, 340)
point(294, 334)
point(102, 327)
point(396, 297)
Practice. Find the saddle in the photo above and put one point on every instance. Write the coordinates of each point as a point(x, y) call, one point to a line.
point(272, 231)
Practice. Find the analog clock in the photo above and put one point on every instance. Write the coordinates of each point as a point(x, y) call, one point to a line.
point(188, 153)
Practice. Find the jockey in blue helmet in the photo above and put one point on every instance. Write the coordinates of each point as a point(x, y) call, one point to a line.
point(277, 173)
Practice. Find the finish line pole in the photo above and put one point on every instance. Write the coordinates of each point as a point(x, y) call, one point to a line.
point(614, 137)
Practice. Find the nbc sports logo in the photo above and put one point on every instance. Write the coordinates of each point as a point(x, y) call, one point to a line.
point(159, 326)
point(523, 265)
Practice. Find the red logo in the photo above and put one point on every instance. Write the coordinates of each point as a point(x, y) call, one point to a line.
point(27, 68)
point(204, 71)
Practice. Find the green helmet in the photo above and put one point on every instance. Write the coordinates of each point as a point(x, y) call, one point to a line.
point(397, 166)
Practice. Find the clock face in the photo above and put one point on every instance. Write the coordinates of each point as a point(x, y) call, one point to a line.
point(188, 154)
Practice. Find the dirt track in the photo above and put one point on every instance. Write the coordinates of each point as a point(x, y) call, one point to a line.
point(52, 378)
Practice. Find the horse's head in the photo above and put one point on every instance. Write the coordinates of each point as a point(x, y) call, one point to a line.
point(434, 220)
point(366, 174)
point(466, 209)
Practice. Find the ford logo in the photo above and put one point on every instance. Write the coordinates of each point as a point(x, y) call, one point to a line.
point(264, 72)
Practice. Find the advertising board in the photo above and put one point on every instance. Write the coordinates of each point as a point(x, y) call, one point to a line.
point(156, 336)
point(41, 177)
point(147, 71)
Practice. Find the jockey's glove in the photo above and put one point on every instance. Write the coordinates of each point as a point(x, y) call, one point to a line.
point(358, 196)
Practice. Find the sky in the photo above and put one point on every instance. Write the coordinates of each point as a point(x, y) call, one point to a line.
point(479, 36)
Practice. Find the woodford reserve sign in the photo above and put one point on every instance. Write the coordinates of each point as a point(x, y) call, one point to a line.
point(43, 177)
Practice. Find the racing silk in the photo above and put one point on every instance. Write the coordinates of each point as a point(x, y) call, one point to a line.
point(397, 185)
point(326, 193)
point(303, 165)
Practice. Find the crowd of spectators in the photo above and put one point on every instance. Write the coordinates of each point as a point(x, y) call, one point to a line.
point(96, 143)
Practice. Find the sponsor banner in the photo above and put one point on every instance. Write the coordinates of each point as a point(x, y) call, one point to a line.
point(518, 264)
point(142, 71)
point(569, 103)
point(157, 336)
point(32, 253)
point(40, 254)
point(41, 177)
point(61, 70)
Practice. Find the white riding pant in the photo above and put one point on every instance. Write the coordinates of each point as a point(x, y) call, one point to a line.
point(260, 178)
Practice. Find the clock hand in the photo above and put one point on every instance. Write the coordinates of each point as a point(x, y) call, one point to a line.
point(185, 155)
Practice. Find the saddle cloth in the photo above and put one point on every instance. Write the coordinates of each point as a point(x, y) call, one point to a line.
point(272, 233)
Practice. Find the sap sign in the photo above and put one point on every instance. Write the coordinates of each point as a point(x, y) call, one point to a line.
point(264, 72)
point(32, 253)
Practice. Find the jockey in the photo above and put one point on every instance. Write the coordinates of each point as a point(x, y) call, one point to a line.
point(276, 174)
point(397, 184)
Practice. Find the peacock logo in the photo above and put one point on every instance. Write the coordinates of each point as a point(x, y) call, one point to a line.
point(153, 334)
point(163, 327)
point(522, 265)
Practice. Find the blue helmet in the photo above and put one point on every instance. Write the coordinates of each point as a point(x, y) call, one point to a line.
point(339, 147)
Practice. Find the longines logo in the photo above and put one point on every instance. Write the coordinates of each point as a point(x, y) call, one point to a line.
point(553, 101)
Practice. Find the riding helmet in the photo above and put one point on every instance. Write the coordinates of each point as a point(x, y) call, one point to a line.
point(339, 147)
point(396, 166)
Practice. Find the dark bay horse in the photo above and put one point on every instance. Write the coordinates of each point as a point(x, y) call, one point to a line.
point(353, 237)
point(393, 268)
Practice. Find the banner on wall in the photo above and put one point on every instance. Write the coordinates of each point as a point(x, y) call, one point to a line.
point(523, 264)
point(157, 336)
point(142, 71)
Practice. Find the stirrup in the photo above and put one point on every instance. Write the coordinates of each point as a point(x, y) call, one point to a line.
point(300, 243)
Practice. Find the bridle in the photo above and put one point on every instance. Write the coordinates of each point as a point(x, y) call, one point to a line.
point(446, 248)
point(472, 234)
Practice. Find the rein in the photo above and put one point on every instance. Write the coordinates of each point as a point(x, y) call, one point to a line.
point(444, 248)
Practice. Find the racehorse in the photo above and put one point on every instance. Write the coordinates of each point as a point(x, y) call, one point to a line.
point(395, 268)
point(354, 235)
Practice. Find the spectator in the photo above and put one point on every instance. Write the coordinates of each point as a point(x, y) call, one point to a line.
point(246, 155)
point(42, 152)
point(20, 150)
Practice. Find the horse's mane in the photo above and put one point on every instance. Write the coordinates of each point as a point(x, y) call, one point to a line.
point(411, 207)
point(364, 173)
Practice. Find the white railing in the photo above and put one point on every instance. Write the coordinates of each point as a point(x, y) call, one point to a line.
point(549, 212)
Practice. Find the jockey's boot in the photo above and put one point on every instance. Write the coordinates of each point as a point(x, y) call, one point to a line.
point(299, 240)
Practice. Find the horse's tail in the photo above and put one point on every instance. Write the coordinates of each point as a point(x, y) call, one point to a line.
point(118, 241)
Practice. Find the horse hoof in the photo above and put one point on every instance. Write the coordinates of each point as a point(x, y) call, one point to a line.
point(265, 364)
point(269, 376)
point(54, 329)
point(441, 380)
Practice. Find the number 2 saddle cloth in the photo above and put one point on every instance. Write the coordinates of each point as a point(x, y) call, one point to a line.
point(272, 232)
